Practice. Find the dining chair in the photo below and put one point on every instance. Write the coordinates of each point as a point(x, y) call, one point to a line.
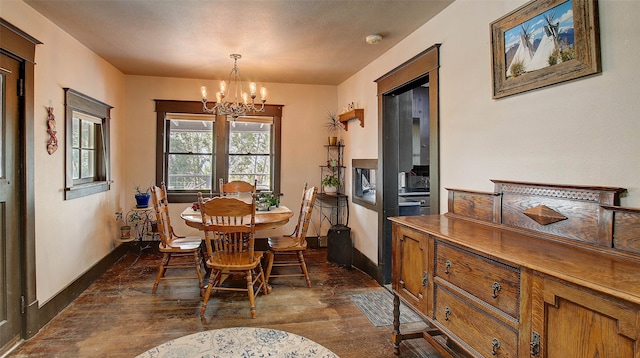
point(178, 251)
point(236, 186)
point(229, 227)
point(286, 246)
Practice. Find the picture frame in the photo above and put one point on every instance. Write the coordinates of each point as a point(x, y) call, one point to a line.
point(544, 42)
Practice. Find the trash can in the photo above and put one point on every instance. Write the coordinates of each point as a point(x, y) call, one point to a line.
point(339, 245)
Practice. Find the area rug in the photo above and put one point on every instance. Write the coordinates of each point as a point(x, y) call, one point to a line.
point(240, 342)
point(378, 307)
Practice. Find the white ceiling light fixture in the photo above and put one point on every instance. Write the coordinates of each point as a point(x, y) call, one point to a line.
point(373, 39)
point(239, 105)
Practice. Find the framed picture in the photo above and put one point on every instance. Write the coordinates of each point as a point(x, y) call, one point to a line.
point(544, 42)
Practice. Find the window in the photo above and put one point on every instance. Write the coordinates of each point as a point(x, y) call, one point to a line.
point(189, 159)
point(87, 145)
point(195, 149)
point(250, 153)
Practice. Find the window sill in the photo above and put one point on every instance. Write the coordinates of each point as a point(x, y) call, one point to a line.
point(78, 191)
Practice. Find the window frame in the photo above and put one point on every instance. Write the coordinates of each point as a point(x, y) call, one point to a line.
point(78, 102)
point(164, 107)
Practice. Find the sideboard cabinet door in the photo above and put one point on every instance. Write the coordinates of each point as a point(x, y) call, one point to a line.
point(573, 321)
point(412, 274)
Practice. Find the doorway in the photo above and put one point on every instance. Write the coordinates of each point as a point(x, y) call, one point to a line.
point(18, 302)
point(10, 316)
point(396, 92)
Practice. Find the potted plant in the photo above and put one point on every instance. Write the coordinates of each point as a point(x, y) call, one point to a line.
point(142, 197)
point(330, 184)
point(334, 126)
point(125, 228)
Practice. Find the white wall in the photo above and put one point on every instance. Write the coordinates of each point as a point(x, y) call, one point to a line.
point(72, 235)
point(583, 132)
point(304, 112)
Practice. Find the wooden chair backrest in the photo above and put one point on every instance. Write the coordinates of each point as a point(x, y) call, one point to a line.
point(229, 225)
point(304, 218)
point(161, 206)
point(236, 186)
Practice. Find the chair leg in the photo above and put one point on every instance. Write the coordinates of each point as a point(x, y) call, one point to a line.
point(252, 303)
point(198, 262)
point(161, 271)
point(303, 266)
point(207, 293)
point(270, 258)
point(265, 284)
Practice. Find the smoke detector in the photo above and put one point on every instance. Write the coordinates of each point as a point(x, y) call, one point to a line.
point(373, 39)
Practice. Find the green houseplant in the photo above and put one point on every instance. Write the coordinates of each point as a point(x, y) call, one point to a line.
point(330, 184)
point(334, 126)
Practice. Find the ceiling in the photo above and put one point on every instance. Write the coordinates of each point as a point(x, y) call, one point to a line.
point(294, 41)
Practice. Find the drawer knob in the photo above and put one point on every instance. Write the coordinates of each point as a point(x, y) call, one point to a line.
point(447, 313)
point(447, 266)
point(496, 289)
point(495, 344)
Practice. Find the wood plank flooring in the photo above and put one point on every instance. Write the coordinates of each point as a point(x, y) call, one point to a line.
point(118, 316)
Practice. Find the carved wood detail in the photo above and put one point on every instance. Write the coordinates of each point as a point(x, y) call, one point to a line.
point(544, 215)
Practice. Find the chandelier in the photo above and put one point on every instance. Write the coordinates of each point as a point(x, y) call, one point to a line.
point(238, 105)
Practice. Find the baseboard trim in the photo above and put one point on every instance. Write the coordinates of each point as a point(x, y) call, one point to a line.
point(364, 264)
point(59, 302)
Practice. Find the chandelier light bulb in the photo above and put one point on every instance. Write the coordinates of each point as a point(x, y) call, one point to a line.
point(252, 88)
point(263, 94)
point(203, 90)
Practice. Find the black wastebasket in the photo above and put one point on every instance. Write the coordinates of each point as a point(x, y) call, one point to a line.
point(339, 245)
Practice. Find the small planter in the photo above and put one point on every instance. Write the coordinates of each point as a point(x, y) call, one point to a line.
point(142, 200)
point(330, 189)
point(333, 140)
point(125, 232)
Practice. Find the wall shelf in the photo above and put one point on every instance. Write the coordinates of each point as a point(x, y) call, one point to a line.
point(357, 113)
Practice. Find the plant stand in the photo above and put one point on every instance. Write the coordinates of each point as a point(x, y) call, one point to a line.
point(141, 223)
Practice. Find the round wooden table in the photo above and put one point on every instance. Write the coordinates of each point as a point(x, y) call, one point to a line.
point(264, 219)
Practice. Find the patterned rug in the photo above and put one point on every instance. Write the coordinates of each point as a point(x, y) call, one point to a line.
point(240, 342)
point(378, 307)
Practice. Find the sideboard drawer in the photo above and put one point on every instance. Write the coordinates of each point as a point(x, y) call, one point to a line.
point(478, 329)
point(494, 283)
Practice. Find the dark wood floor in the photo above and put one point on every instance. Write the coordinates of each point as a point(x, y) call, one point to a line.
point(118, 316)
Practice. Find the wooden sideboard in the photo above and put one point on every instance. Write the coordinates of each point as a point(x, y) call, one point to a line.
point(529, 270)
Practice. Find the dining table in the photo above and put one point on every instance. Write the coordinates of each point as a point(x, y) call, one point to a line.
point(264, 220)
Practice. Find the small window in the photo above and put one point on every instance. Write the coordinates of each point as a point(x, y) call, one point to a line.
point(87, 145)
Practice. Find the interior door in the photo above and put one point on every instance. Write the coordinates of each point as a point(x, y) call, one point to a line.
point(10, 313)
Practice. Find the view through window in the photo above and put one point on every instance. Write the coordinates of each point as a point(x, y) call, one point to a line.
point(250, 153)
point(194, 150)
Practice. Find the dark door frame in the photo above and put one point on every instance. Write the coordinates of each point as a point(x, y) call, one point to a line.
point(22, 46)
point(416, 71)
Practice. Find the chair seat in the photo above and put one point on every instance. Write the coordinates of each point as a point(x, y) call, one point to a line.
point(182, 243)
point(285, 243)
point(240, 261)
